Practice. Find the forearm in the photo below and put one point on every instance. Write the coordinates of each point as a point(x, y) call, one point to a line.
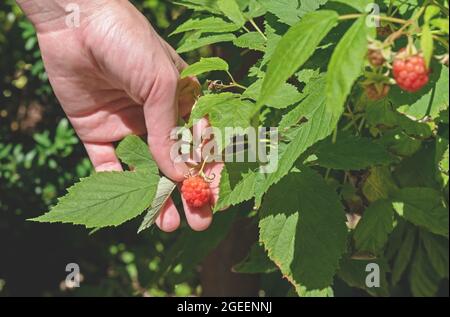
point(52, 15)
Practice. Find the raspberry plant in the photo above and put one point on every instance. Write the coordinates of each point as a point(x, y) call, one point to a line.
point(363, 161)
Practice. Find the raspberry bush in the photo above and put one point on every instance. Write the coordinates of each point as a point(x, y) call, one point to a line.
point(361, 106)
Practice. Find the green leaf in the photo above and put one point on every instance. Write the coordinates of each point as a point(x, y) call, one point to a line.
point(379, 184)
point(285, 96)
point(423, 279)
point(207, 25)
point(104, 199)
point(403, 257)
point(255, 9)
point(426, 43)
point(163, 192)
point(351, 153)
point(256, 262)
point(382, 114)
point(205, 65)
point(373, 229)
point(304, 232)
point(423, 207)
point(232, 11)
point(437, 252)
point(193, 43)
point(225, 110)
point(441, 24)
point(200, 5)
point(359, 5)
point(287, 11)
point(235, 192)
point(431, 12)
point(318, 123)
point(430, 102)
point(294, 48)
point(252, 40)
point(347, 63)
point(135, 153)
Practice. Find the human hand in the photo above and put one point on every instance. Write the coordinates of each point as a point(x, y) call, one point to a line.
point(114, 76)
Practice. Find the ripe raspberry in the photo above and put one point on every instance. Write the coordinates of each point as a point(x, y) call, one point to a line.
point(410, 72)
point(196, 191)
point(375, 57)
point(376, 93)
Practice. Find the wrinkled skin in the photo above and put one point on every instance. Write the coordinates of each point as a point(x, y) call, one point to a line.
point(114, 76)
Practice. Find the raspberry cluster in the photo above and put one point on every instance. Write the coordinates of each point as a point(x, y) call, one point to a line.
point(196, 191)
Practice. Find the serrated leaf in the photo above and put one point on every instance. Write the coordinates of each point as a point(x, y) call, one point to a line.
point(379, 184)
point(134, 152)
point(104, 199)
point(436, 248)
point(285, 96)
point(256, 262)
point(423, 207)
point(423, 279)
point(319, 123)
point(193, 43)
point(205, 65)
point(373, 229)
point(351, 153)
point(426, 43)
point(347, 63)
point(294, 48)
point(251, 40)
point(163, 192)
point(287, 11)
point(224, 110)
point(232, 11)
point(304, 232)
point(206, 25)
point(242, 191)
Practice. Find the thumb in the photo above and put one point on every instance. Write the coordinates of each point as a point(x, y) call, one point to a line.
point(161, 117)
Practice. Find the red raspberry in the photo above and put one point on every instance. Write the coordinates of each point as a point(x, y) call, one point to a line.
point(196, 191)
point(410, 72)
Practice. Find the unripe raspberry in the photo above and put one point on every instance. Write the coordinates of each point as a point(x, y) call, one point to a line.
point(376, 93)
point(375, 57)
point(196, 191)
point(410, 72)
